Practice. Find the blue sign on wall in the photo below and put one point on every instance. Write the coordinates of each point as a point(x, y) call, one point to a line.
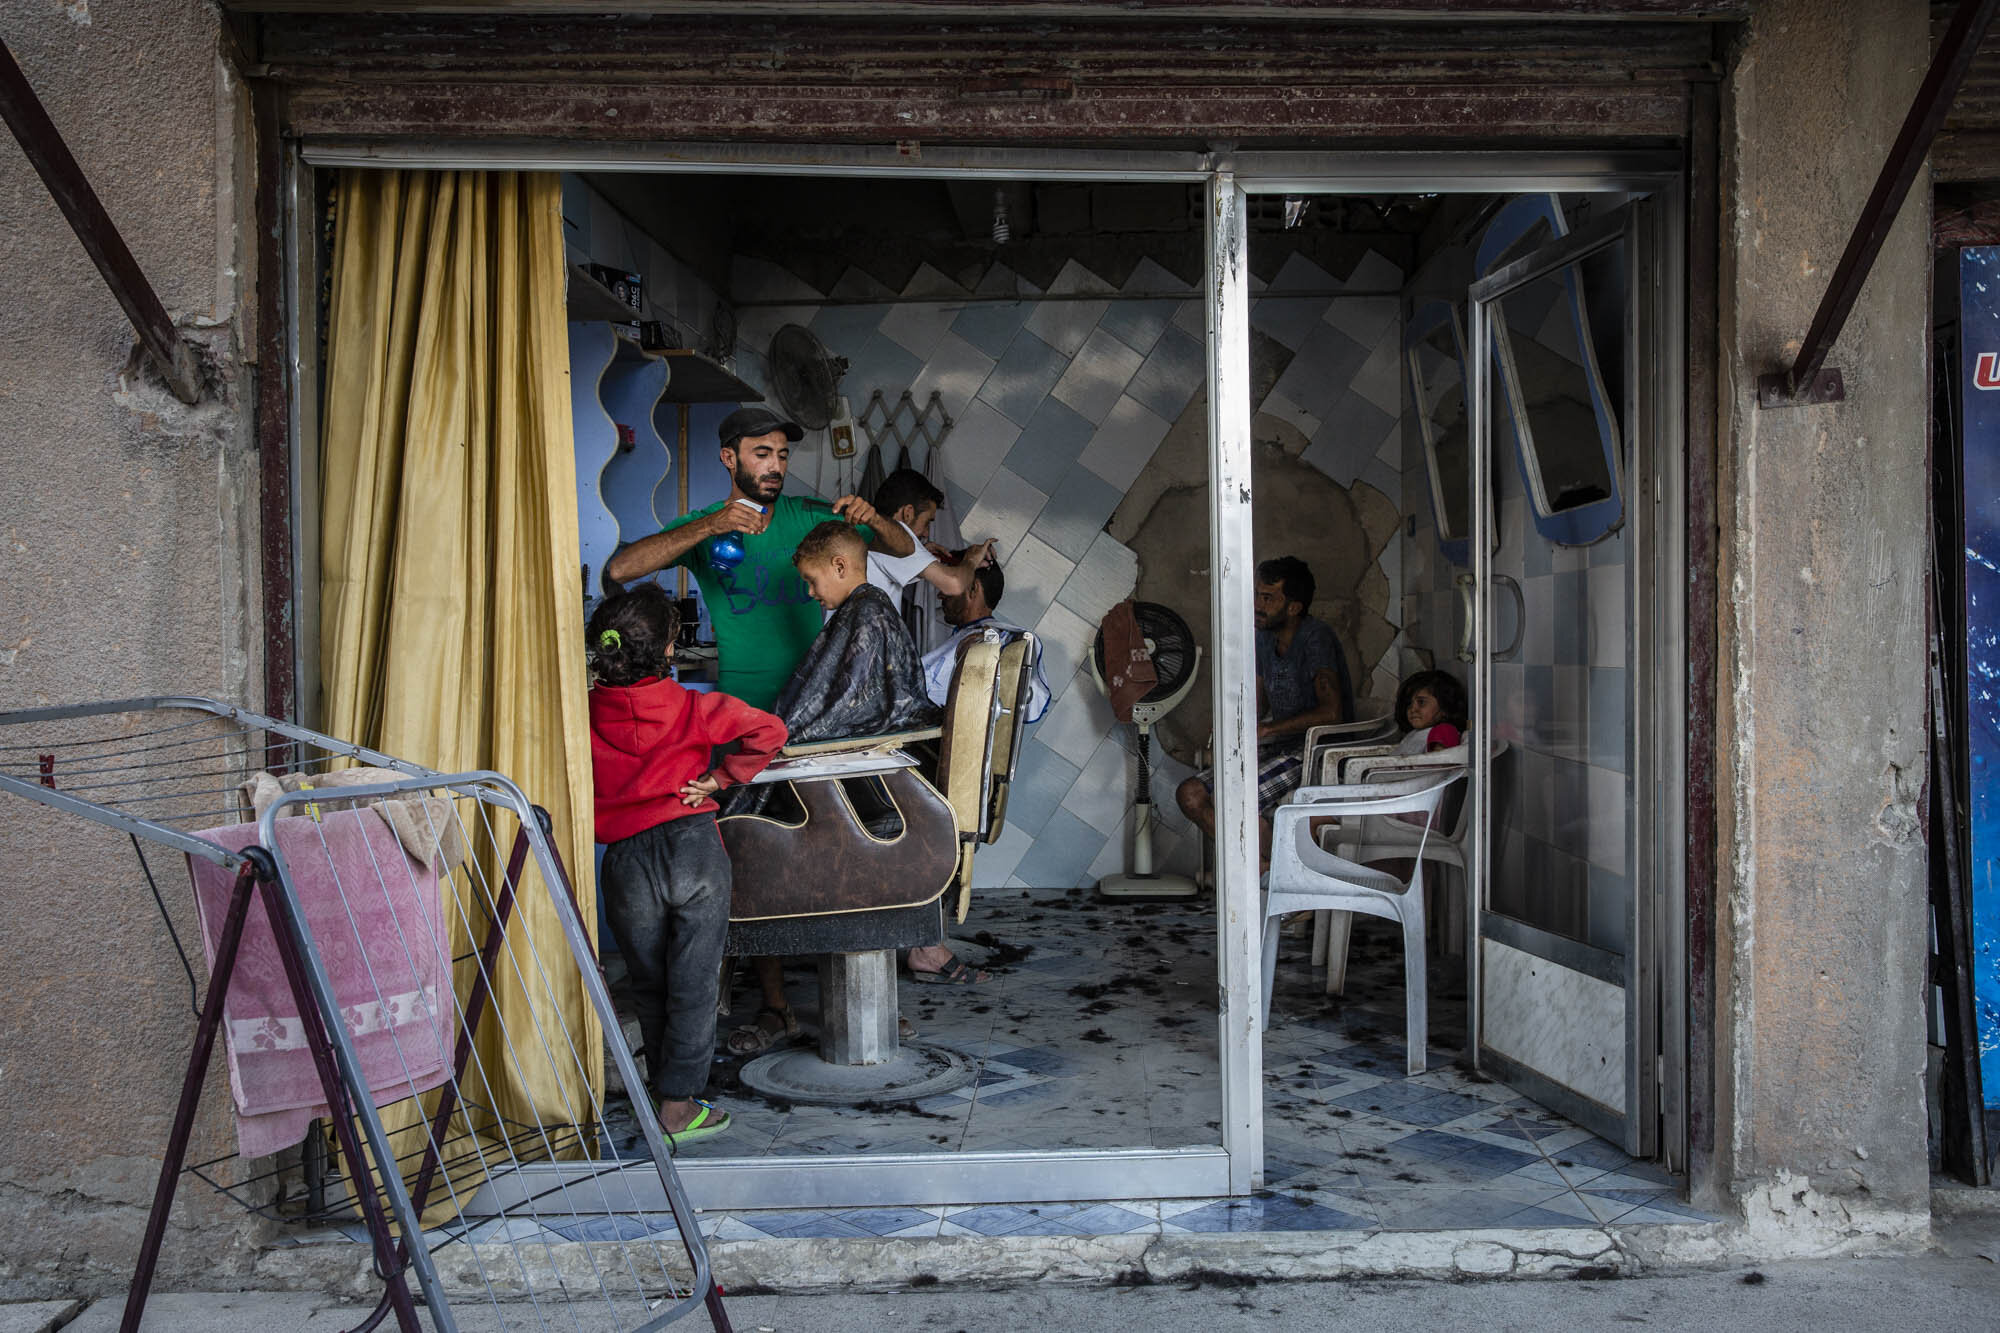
point(1979, 341)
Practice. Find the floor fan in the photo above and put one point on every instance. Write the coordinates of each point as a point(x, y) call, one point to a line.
point(1177, 660)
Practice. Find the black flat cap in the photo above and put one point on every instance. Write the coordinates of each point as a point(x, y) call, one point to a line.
point(754, 421)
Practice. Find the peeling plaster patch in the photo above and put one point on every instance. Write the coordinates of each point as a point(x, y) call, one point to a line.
point(214, 420)
point(78, 12)
point(1789, 1218)
point(1483, 1257)
point(1896, 823)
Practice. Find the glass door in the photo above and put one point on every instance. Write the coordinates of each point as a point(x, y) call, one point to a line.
point(1560, 979)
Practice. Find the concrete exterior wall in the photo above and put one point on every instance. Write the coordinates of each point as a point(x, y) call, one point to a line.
point(128, 557)
point(127, 567)
point(1823, 550)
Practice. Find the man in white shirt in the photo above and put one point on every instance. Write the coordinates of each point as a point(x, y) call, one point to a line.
point(908, 497)
point(968, 613)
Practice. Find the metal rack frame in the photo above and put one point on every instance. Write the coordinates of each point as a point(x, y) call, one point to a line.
point(148, 768)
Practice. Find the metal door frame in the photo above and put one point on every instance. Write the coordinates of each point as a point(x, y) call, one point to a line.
point(1654, 958)
point(1237, 1165)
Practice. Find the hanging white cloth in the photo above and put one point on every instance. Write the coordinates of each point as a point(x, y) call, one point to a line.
point(922, 611)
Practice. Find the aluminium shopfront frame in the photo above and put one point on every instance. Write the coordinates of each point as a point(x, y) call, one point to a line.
point(1236, 1166)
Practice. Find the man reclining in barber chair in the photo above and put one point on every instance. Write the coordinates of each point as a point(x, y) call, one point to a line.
point(849, 846)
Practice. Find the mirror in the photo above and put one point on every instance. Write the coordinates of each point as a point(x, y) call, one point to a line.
point(1548, 387)
point(1434, 347)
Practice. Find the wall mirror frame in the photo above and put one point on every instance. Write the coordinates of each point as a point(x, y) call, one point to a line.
point(1436, 326)
point(1551, 390)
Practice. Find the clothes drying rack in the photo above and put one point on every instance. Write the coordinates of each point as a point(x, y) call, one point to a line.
point(545, 1204)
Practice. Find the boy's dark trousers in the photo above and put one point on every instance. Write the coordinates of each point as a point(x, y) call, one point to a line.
point(666, 891)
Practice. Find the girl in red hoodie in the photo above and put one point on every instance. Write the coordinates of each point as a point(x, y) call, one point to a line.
point(666, 876)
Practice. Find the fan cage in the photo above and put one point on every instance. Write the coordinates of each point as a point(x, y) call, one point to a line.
point(1173, 647)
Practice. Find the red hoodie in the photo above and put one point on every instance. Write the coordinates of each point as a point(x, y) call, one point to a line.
point(649, 740)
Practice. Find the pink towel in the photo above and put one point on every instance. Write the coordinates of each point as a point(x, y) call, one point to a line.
point(394, 989)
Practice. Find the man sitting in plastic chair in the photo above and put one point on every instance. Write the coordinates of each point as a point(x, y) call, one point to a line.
point(1302, 682)
point(861, 677)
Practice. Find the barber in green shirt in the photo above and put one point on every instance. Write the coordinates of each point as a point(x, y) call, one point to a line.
point(764, 619)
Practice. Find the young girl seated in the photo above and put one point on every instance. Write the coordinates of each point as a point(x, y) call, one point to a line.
point(1430, 707)
point(666, 878)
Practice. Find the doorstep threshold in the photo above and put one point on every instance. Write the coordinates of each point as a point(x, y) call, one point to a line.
point(824, 1263)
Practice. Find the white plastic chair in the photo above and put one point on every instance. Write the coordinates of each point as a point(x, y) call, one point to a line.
point(1305, 877)
point(1377, 839)
point(1329, 760)
point(1374, 720)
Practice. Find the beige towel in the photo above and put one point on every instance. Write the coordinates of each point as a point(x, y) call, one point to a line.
point(426, 826)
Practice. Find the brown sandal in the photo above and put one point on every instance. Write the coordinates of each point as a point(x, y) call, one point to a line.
point(772, 1026)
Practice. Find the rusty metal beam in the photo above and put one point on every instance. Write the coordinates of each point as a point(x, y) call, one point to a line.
point(1128, 10)
point(1703, 623)
point(274, 412)
point(788, 112)
point(1806, 382)
point(656, 51)
point(44, 147)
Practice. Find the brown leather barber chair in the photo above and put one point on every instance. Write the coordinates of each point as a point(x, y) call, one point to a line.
point(870, 857)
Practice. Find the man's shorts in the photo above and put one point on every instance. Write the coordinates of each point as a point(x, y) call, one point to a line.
point(1279, 769)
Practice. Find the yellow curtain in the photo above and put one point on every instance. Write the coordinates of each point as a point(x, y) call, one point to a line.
point(451, 610)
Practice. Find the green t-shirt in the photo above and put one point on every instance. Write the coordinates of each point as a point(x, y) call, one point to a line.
point(764, 619)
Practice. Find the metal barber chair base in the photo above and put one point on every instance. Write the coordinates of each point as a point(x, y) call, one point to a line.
point(919, 1070)
point(860, 1058)
point(818, 887)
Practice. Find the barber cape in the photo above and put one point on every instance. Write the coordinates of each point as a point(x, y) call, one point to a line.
point(861, 677)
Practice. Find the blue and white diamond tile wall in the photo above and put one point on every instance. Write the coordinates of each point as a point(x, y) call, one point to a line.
point(1058, 406)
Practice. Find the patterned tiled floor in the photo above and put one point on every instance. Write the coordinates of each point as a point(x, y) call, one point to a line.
point(1093, 1033)
point(1088, 1035)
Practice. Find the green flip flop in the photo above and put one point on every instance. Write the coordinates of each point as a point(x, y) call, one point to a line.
point(709, 1121)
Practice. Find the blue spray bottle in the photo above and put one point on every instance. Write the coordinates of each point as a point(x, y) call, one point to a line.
point(725, 552)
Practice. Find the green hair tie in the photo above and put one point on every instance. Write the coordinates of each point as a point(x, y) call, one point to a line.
point(610, 639)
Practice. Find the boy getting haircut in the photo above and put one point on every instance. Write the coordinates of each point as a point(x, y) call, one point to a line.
point(862, 676)
point(833, 561)
point(828, 539)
